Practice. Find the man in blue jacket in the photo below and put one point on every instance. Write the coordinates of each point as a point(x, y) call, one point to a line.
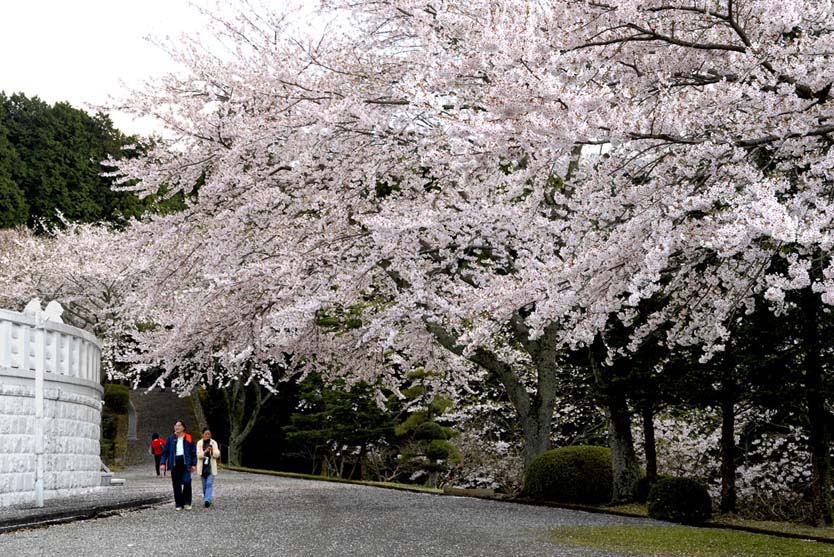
point(180, 457)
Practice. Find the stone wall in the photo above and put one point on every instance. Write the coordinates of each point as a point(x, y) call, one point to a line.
point(72, 409)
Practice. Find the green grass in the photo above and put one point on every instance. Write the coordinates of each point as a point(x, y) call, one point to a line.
point(790, 528)
point(634, 509)
point(734, 522)
point(686, 542)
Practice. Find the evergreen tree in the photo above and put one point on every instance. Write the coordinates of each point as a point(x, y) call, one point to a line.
point(50, 163)
point(337, 427)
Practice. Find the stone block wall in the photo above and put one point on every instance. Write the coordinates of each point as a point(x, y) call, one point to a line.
point(72, 417)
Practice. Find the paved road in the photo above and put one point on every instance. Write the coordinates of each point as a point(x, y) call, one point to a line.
point(266, 515)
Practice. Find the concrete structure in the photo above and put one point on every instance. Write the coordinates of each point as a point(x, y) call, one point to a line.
point(50, 408)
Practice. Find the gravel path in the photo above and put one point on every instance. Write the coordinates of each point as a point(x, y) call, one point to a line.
point(267, 515)
point(138, 492)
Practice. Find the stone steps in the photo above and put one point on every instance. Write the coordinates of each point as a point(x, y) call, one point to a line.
point(156, 412)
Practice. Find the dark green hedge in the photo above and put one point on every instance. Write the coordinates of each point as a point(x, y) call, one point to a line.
point(643, 487)
point(681, 500)
point(116, 398)
point(580, 474)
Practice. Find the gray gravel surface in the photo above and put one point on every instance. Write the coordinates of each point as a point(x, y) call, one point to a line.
point(91, 502)
point(267, 515)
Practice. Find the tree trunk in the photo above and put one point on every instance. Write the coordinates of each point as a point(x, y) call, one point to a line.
point(535, 411)
point(235, 451)
point(624, 463)
point(649, 443)
point(359, 465)
point(819, 434)
point(623, 458)
point(728, 441)
point(240, 425)
point(315, 461)
point(540, 407)
point(326, 466)
point(535, 428)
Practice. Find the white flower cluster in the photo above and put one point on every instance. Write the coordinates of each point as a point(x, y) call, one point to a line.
point(773, 470)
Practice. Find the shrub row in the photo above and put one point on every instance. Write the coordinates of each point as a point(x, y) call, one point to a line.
point(116, 398)
point(583, 475)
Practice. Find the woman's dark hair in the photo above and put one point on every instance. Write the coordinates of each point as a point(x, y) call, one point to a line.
point(154, 436)
point(183, 424)
point(205, 429)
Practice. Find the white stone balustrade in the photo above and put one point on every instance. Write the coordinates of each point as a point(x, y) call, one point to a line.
point(67, 350)
point(71, 420)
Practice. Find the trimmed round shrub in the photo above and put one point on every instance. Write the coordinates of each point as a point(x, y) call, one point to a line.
point(580, 474)
point(681, 500)
point(643, 487)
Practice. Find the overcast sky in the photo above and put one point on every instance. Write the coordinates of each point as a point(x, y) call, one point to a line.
point(80, 50)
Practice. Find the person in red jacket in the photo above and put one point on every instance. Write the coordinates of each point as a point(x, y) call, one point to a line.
point(157, 445)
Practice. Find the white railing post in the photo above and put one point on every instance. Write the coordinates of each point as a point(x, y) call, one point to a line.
point(40, 362)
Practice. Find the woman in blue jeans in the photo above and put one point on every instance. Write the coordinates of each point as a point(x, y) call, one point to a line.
point(180, 457)
point(207, 454)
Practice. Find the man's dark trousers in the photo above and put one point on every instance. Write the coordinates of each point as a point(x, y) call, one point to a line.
point(181, 477)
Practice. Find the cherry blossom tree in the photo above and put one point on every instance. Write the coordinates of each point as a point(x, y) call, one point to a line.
point(707, 211)
point(431, 152)
point(81, 267)
point(290, 221)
